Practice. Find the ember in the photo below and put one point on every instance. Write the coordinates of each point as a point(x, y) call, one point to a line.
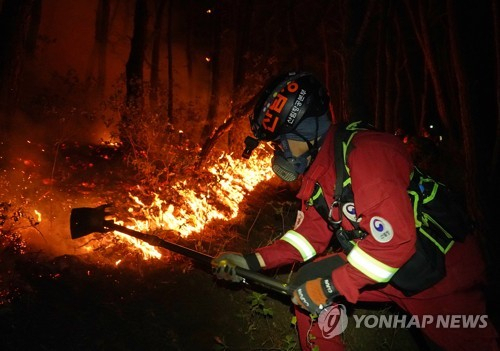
point(38, 216)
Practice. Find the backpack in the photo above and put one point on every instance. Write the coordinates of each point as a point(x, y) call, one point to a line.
point(440, 220)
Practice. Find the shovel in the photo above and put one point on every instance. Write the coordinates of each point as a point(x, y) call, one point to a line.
point(88, 220)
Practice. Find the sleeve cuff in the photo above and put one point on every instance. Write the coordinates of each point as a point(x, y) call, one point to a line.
point(252, 261)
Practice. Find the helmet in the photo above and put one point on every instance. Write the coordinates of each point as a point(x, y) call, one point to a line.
point(293, 106)
point(285, 103)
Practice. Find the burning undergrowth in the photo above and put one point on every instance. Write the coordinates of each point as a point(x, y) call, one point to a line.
point(191, 206)
point(127, 283)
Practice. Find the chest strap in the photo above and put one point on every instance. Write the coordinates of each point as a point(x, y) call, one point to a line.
point(344, 237)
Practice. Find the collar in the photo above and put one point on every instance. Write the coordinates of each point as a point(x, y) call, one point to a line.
point(323, 161)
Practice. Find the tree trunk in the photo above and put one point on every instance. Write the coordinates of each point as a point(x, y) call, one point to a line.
point(215, 77)
point(243, 16)
point(396, 112)
point(356, 28)
point(170, 67)
point(389, 69)
point(98, 55)
point(155, 55)
point(34, 26)
point(493, 176)
point(14, 24)
point(101, 37)
point(189, 41)
point(134, 67)
point(237, 111)
point(465, 118)
point(378, 76)
point(413, 97)
point(423, 105)
point(244, 10)
point(422, 34)
point(326, 65)
point(291, 28)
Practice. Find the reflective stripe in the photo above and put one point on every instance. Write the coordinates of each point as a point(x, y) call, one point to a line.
point(415, 199)
point(318, 194)
point(315, 196)
point(295, 239)
point(373, 268)
point(432, 195)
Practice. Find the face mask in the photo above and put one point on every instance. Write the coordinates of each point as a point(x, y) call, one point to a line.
point(285, 165)
point(288, 168)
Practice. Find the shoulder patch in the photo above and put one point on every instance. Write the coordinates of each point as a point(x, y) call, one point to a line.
point(381, 229)
point(350, 212)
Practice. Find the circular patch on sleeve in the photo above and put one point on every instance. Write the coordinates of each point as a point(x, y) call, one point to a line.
point(381, 229)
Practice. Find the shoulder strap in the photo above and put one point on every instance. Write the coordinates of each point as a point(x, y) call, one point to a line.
point(342, 138)
point(340, 135)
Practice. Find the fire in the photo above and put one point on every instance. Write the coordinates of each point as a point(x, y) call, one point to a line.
point(148, 251)
point(234, 179)
point(38, 216)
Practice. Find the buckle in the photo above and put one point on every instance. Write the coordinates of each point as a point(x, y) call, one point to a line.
point(330, 218)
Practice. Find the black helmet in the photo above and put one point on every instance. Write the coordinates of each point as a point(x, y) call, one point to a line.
point(286, 102)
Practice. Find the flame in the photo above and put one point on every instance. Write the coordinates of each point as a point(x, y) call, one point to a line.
point(219, 200)
point(148, 251)
point(234, 178)
point(38, 216)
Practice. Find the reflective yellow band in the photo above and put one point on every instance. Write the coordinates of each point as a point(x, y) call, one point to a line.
point(373, 268)
point(303, 246)
point(443, 249)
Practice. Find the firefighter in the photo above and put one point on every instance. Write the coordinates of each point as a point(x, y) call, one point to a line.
point(293, 114)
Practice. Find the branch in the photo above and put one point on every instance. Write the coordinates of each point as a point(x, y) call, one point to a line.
point(236, 115)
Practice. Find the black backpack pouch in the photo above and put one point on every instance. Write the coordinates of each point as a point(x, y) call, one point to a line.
point(441, 206)
point(424, 269)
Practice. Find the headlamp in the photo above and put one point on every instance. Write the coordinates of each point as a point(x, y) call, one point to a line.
point(250, 145)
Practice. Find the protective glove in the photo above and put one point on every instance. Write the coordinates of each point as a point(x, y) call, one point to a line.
point(314, 295)
point(224, 265)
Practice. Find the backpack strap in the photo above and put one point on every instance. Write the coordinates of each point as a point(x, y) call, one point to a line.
point(342, 191)
point(340, 135)
point(342, 147)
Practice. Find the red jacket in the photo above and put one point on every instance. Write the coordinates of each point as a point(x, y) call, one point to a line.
point(380, 169)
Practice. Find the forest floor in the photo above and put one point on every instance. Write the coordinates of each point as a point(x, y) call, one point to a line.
point(80, 301)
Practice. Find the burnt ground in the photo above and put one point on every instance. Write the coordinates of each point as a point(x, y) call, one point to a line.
point(82, 301)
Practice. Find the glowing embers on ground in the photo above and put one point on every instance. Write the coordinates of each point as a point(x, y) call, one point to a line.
point(231, 178)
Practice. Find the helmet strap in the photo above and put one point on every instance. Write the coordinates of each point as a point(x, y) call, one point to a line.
point(313, 148)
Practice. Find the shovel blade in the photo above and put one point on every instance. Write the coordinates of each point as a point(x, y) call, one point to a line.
point(88, 220)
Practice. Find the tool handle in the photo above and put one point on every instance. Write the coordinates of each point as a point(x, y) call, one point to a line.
point(256, 277)
point(264, 280)
point(155, 241)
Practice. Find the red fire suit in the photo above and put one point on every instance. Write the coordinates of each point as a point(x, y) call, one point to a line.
point(380, 171)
